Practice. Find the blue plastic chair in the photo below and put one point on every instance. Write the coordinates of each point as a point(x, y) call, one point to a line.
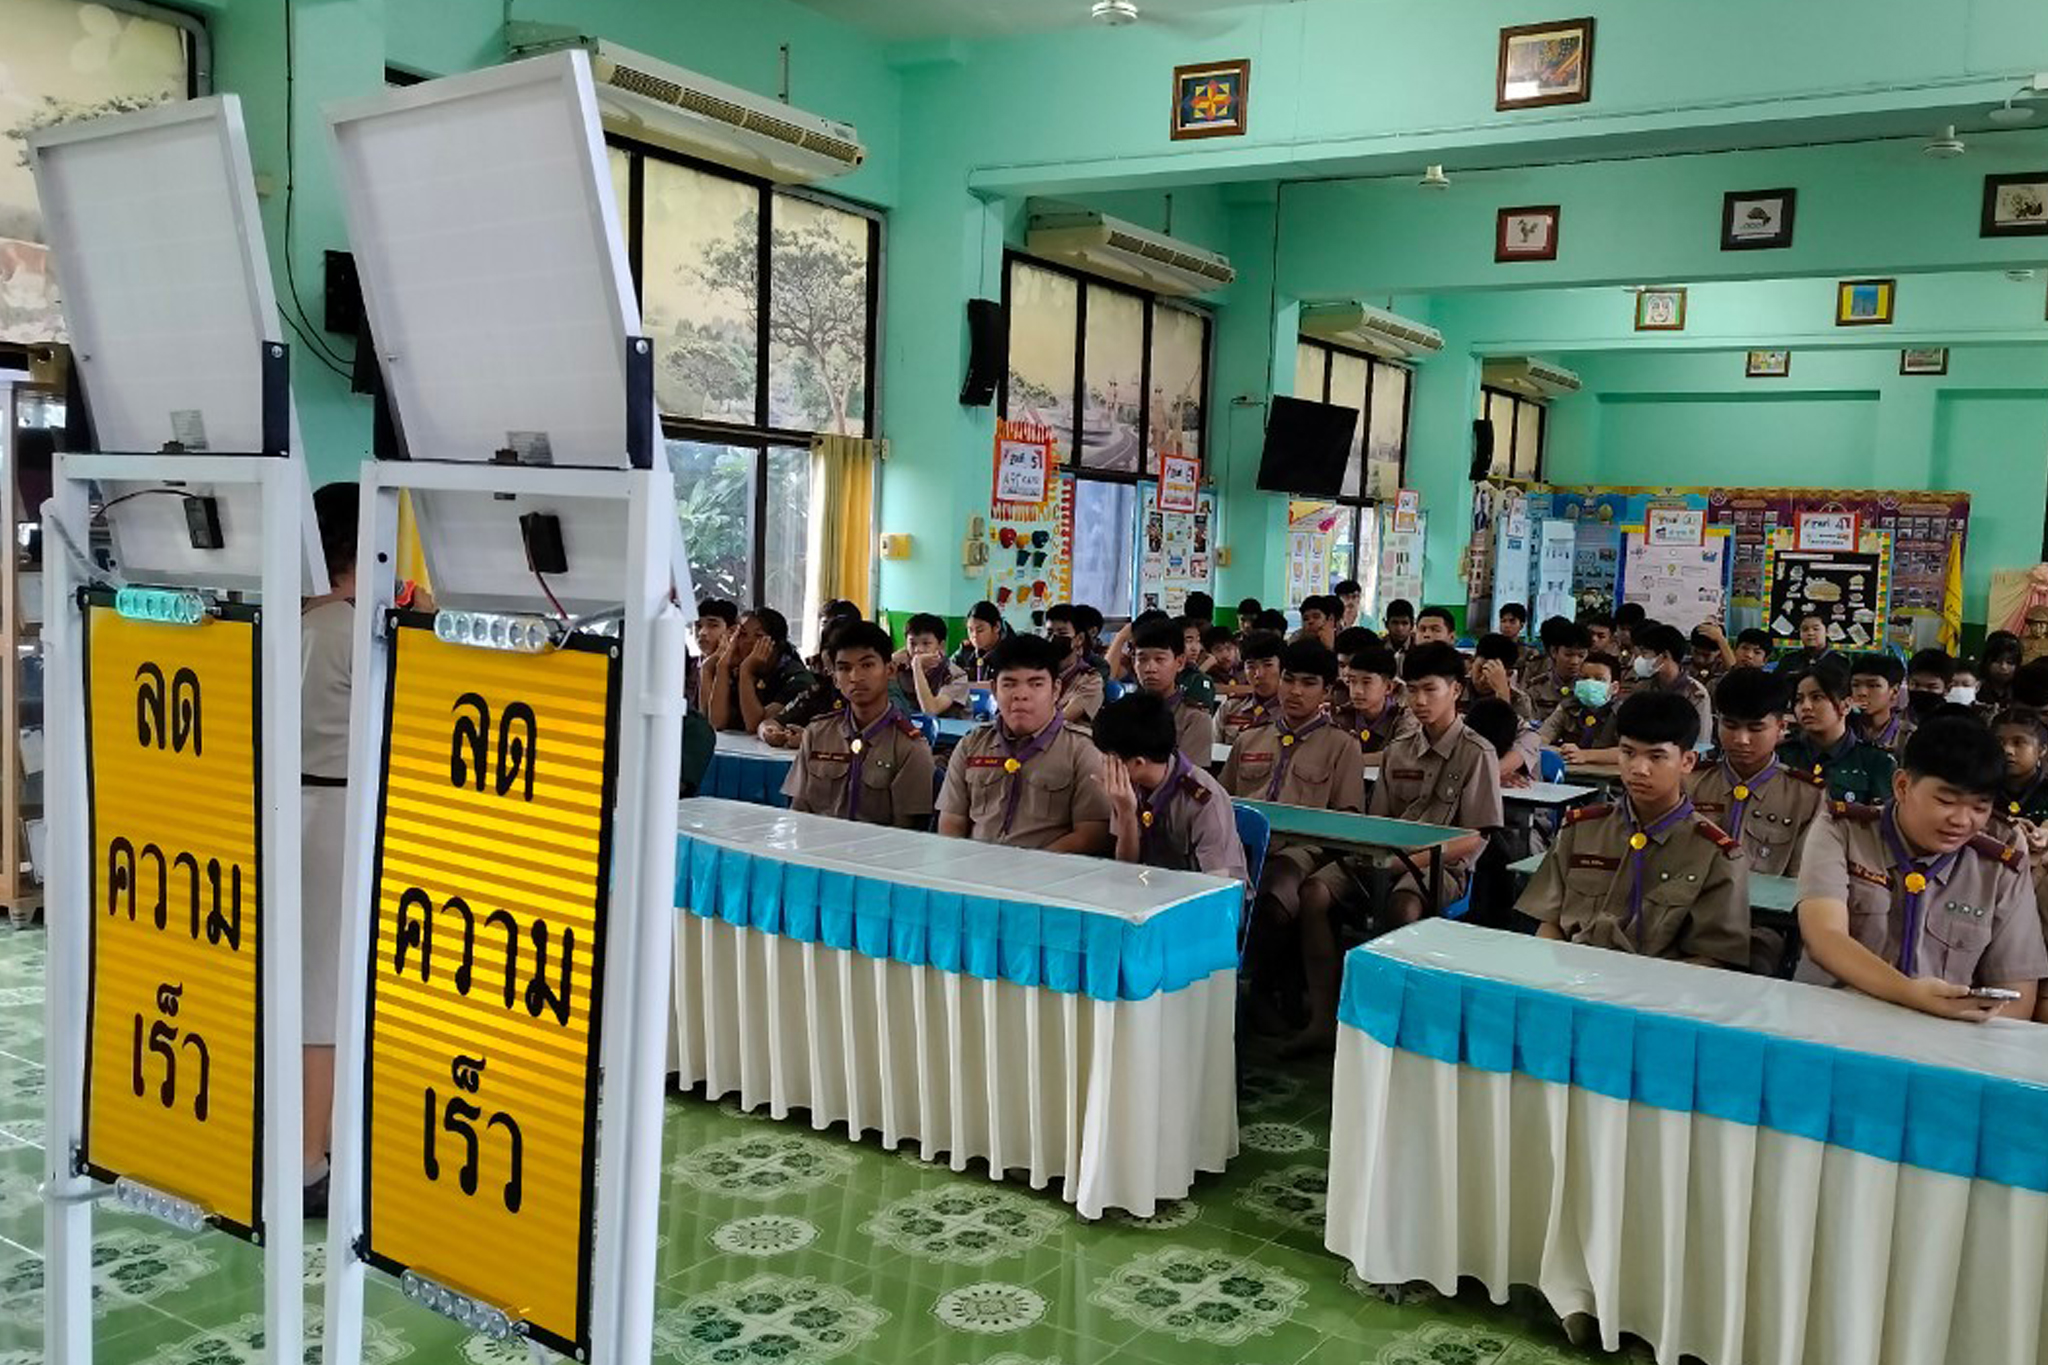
point(1550, 765)
point(1114, 691)
point(982, 703)
point(1460, 907)
point(1255, 832)
point(928, 726)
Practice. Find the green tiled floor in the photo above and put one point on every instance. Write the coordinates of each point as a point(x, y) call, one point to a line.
point(780, 1246)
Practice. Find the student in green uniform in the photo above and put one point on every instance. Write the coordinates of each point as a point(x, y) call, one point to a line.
point(1856, 772)
point(1193, 681)
point(2023, 794)
point(1997, 662)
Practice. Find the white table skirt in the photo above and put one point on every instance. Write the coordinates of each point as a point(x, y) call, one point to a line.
point(1707, 1237)
point(1124, 1102)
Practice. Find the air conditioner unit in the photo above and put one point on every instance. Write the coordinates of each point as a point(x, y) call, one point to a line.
point(1374, 330)
point(659, 103)
point(1126, 252)
point(1530, 378)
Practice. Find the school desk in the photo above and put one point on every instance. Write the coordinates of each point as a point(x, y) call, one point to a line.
point(1374, 835)
point(746, 768)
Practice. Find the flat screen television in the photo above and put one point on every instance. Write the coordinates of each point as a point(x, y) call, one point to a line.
point(1307, 446)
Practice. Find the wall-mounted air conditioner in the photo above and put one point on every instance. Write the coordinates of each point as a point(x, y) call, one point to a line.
point(1374, 330)
point(656, 102)
point(1530, 378)
point(1123, 251)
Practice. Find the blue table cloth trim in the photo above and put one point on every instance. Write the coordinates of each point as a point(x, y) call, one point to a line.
point(1058, 948)
point(754, 780)
point(1936, 1118)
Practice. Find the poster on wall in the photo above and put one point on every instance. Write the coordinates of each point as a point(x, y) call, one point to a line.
point(1514, 561)
point(1679, 585)
point(1400, 565)
point(1847, 588)
point(1180, 476)
point(1314, 530)
point(1031, 554)
point(1826, 531)
point(1176, 554)
point(1596, 565)
point(1675, 525)
point(1023, 467)
point(1556, 557)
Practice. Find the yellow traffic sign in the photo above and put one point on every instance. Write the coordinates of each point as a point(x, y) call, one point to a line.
point(487, 953)
point(174, 1032)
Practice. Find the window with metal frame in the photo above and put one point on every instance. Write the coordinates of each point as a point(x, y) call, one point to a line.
point(1518, 431)
point(1379, 389)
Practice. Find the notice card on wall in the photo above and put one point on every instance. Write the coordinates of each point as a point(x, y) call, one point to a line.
point(1679, 585)
point(1180, 476)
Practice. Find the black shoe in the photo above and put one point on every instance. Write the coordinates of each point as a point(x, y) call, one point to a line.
point(316, 1199)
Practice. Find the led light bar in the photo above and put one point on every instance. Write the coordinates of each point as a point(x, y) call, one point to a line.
point(166, 1208)
point(160, 606)
point(495, 630)
point(478, 1317)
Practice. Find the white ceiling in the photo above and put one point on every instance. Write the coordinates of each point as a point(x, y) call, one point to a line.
point(915, 19)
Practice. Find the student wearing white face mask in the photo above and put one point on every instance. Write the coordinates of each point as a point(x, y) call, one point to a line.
point(1582, 727)
point(1661, 652)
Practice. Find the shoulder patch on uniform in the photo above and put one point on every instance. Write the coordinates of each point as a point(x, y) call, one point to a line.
point(1806, 775)
point(1190, 787)
point(1985, 846)
point(908, 726)
point(1708, 830)
point(1579, 814)
point(1849, 810)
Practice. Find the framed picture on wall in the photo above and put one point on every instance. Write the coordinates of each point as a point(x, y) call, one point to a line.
point(2015, 205)
point(1660, 310)
point(1865, 303)
point(1767, 365)
point(1924, 360)
point(1526, 234)
point(1543, 64)
point(1209, 100)
point(1757, 220)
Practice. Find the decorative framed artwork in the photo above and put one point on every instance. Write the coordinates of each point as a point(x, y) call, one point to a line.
point(1865, 303)
point(1543, 64)
point(1767, 365)
point(1528, 233)
point(2015, 205)
point(1209, 100)
point(1660, 310)
point(1757, 220)
point(1924, 360)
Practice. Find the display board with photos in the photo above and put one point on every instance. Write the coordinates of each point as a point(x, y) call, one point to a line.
point(1176, 554)
point(1678, 584)
point(1850, 591)
point(1031, 554)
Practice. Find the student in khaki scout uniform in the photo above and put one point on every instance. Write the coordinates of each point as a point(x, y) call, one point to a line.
point(1599, 631)
point(1752, 649)
point(1877, 690)
point(1261, 700)
point(1759, 800)
point(1158, 658)
point(1222, 661)
point(1659, 666)
point(1582, 726)
point(926, 681)
point(1650, 874)
point(1495, 661)
point(1371, 709)
point(1434, 626)
point(1164, 810)
point(1909, 901)
point(1826, 747)
point(1077, 685)
point(868, 762)
point(1028, 781)
point(1929, 674)
point(1565, 646)
point(1512, 620)
point(1630, 619)
point(1296, 758)
point(1712, 656)
point(1399, 622)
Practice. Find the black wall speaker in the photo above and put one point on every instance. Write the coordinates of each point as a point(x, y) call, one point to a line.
point(1482, 448)
point(985, 353)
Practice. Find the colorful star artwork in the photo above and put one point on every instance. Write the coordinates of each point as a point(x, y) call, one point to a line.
point(1209, 100)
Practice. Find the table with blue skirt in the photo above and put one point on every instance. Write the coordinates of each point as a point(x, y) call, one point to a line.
point(746, 768)
point(1731, 1167)
point(1062, 1018)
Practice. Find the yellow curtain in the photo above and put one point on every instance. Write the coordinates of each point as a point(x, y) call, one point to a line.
point(842, 520)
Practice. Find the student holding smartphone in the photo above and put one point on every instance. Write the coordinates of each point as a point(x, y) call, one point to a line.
point(1910, 901)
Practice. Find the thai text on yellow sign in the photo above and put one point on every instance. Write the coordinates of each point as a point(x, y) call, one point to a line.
point(485, 973)
point(174, 1042)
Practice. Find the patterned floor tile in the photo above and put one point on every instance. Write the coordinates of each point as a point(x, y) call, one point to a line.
point(1294, 1197)
point(1195, 1295)
point(764, 1164)
point(795, 1321)
point(964, 1225)
point(990, 1308)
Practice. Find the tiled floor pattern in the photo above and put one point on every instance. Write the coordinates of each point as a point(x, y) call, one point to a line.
point(784, 1247)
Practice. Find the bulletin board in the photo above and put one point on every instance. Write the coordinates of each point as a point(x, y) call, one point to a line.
point(1031, 552)
point(1556, 554)
point(1176, 553)
point(1400, 562)
point(1679, 585)
point(1851, 590)
point(1313, 532)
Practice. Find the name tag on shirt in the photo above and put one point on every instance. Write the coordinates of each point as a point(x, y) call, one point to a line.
point(1594, 861)
point(1874, 877)
point(1407, 774)
point(1246, 760)
point(818, 757)
point(985, 761)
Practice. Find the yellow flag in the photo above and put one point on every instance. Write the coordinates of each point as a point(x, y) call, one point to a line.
point(1952, 598)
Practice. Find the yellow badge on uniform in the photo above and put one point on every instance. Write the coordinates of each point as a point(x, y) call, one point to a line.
point(1818, 770)
point(2013, 806)
point(1915, 883)
point(1287, 741)
point(1365, 737)
point(1639, 841)
point(1741, 793)
point(1145, 818)
point(857, 745)
point(1011, 765)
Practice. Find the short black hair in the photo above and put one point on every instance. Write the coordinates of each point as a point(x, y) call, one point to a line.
point(1440, 613)
point(1500, 648)
point(1216, 636)
point(1199, 606)
point(1700, 640)
point(1494, 721)
point(728, 612)
point(1658, 718)
point(1518, 610)
point(1311, 657)
point(1400, 609)
point(1087, 619)
point(2029, 717)
point(987, 613)
point(1660, 639)
point(2030, 683)
point(1600, 658)
point(1270, 619)
point(1596, 617)
point(1878, 666)
point(1345, 585)
point(1248, 607)
point(1351, 639)
point(773, 624)
point(1998, 645)
point(1563, 634)
point(1376, 659)
point(925, 623)
point(1749, 694)
point(1026, 654)
point(851, 635)
point(1956, 749)
point(1316, 602)
point(1146, 618)
point(1137, 725)
point(1760, 638)
point(1831, 675)
point(839, 609)
point(1631, 614)
point(1935, 661)
point(336, 506)
point(1433, 660)
point(1262, 644)
point(1812, 614)
point(1060, 612)
point(1166, 635)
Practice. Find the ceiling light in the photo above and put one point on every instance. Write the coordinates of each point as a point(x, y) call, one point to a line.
point(1115, 13)
point(2008, 114)
point(1946, 146)
point(2019, 276)
point(1435, 179)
